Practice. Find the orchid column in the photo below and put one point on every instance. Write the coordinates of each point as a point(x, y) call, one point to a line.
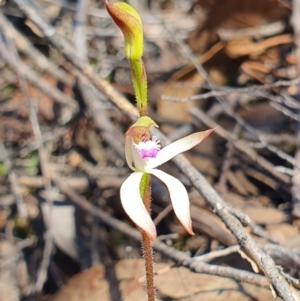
point(143, 151)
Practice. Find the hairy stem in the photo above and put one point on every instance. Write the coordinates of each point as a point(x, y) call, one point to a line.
point(145, 190)
point(148, 257)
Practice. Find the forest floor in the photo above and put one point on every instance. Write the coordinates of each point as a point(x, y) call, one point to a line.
point(229, 65)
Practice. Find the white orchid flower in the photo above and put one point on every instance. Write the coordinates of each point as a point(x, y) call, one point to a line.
point(144, 155)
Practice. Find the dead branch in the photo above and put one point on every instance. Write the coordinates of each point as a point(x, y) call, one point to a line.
point(24, 45)
point(200, 115)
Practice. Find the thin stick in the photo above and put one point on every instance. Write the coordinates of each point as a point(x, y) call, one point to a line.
point(24, 45)
point(251, 153)
point(36, 80)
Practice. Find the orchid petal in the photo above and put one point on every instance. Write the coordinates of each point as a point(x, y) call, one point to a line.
point(133, 157)
point(177, 147)
point(128, 151)
point(179, 198)
point(133, 204)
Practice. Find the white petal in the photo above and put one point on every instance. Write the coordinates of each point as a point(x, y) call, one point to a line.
point(134, 206)
point(179, 198)
point(177, 147)
point(128, 151)
point(133, 158)
point(139, 163)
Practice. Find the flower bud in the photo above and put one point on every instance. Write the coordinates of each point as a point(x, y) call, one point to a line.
point(129, 21)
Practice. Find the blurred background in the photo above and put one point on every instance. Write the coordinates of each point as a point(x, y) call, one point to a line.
point(229, 64)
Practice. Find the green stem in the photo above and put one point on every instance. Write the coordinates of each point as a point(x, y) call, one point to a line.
point(139, 82)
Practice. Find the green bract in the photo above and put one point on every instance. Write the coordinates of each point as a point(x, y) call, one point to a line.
point(129, 21)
